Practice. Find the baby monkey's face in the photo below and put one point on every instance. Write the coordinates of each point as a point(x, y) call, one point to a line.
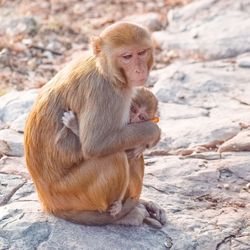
point(139, 114)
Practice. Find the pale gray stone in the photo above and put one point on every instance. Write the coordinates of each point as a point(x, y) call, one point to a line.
point(11, 142)
point(196, 202)
point(213, 33)
point(244, 60)
point(14, 104)
point(199, 103)
point(8, 186)
point(179, 111)
point(200, 213)
point(240, 142)
point(151, 20)
point(20, 25)
point(14, 165)
point(28, 227)
point(19, 124)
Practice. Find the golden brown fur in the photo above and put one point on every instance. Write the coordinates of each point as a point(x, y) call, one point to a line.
point(72, 181)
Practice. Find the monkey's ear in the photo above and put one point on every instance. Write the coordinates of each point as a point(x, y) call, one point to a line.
point(96, 44)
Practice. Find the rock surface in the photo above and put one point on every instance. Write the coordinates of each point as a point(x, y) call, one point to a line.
point(204, 107)
point(209, 28)
point(151, 20)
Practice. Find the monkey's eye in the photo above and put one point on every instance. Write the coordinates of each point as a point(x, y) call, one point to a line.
point(143, 52)
point(127, 57)
point(142, 118)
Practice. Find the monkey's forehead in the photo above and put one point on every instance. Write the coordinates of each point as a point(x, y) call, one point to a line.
point(124, 26)
point(124, 33)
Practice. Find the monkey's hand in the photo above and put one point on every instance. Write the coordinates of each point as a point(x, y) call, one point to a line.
point(115, 208)
point(69, 120)
point(135, 153)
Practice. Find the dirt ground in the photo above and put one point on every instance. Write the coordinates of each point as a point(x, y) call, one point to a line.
point(38, 37)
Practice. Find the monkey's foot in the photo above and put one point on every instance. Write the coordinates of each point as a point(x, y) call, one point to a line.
point(155, 212)
point(152, 222)
point(135, 217)
point(115, 208)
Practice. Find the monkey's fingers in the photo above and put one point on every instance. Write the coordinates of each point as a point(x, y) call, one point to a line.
point(156, 212)
point(65, 116)
point(138, 152)
point(69, 115)
point(131, 154)
point(66, 121)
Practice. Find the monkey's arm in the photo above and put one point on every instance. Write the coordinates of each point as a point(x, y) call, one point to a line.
point(101, 141)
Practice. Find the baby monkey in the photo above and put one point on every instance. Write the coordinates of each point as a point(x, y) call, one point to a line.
point(144, 107)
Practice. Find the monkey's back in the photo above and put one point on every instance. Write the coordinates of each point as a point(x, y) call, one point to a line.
point(45, 158)
point(82, 89)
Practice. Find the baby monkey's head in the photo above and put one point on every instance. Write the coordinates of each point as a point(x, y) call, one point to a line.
point(144, 105)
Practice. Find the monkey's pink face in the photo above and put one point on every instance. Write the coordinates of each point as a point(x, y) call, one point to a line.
point(138, 114)
point(135, 64)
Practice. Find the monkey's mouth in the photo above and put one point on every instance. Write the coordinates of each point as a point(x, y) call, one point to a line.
point(144, 79)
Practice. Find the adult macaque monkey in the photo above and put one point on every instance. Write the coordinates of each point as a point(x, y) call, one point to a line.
point(144, 107)
point(80, 182)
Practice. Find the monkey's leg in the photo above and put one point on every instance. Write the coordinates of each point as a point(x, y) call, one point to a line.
point(117, 205)
point(93, 185)
point(156, 216)
point(96, 218)
point(136, 173)
point(131, 214)
point(136, 167)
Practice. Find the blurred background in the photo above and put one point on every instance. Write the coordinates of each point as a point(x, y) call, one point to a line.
point(38, 37)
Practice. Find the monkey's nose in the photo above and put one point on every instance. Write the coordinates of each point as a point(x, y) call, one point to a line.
point(139, 71)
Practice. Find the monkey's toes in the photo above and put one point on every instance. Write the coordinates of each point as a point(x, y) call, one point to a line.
point(152, 222)
point(163, 217)
point(156, 212)
point(115, 208)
